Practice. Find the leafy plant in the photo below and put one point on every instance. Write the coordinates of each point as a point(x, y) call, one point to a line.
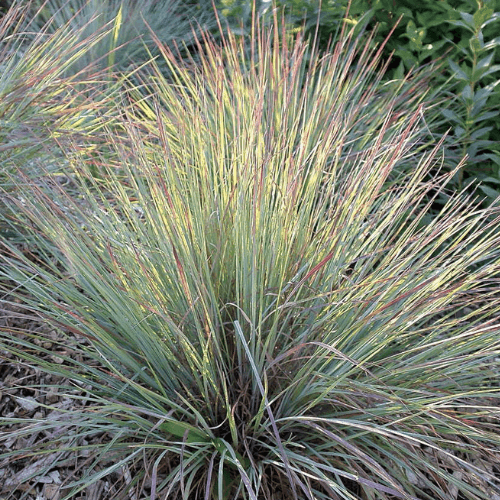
point(259, 313)
point(473, 112)
point(238, 13)
point(463, 32)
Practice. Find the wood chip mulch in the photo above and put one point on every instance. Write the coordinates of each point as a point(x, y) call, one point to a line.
point(46, 476)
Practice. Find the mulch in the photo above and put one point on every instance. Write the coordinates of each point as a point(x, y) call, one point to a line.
point(46, 476)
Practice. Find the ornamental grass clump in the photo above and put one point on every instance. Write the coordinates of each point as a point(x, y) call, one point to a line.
point(36, 100)
point(41, 106)
point(124, 23)
point(262, 312)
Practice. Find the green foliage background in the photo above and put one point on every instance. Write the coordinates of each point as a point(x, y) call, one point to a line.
point(462, 35)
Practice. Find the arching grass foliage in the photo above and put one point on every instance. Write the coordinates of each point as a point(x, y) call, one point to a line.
point(269, 311)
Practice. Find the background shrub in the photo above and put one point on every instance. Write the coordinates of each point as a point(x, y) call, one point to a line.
point(462, 34)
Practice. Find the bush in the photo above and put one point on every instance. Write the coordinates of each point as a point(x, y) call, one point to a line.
point(266, 315)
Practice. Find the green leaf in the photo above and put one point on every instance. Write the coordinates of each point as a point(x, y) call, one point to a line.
point(467, 93)
point(415, 35)
point(485, 62)
point(491, 193)
point(484, 93)
point(407, 57)
point(457, 71)
point(495, 157)
point(435, 46)
point(468, 19)
point(494, 17)
point(480, 132)
point(116, 27)
point(430, 19)
point(227, 483)
point(399, 72)
point(461, 24)
point(492, 69)
point(451, 115)
point(492, 180)
point(411, 29)
point(476, 44)
point(223, 447)
point(481, 16)
point(492, 43)
point(484, 116)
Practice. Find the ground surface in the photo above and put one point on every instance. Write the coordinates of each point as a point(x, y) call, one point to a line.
point(37, 477)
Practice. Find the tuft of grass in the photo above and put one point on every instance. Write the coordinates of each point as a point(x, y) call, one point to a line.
point(125, 23)
point(266, 309)
point(34, 96)
point(41, 106)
